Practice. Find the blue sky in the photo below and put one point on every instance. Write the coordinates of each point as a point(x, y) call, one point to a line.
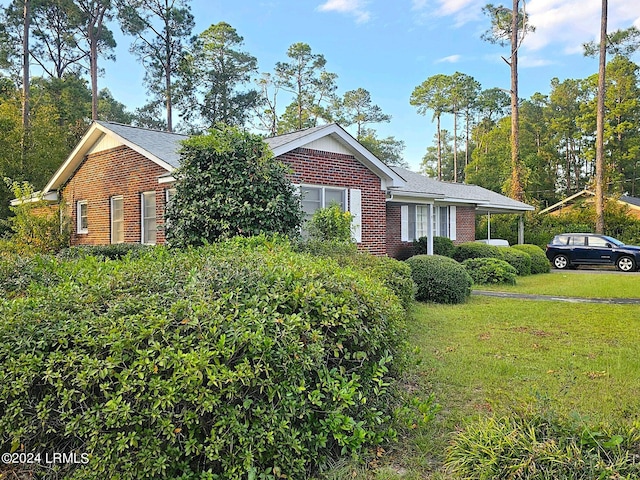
point(390, 46)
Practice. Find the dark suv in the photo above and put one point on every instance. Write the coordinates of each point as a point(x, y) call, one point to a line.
point(572, 249)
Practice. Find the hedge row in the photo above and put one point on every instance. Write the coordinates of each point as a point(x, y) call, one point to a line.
point(239, 360)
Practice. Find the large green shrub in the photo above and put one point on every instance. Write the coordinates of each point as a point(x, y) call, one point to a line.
point(490, 271)
point(393, 274)
point(239, 360)
point(539, 260)
point(229, 184)
point(518, 259)
point(468, 250)
point(533, 446)
point(17, 272)
point(111, 252)
point(439, 279)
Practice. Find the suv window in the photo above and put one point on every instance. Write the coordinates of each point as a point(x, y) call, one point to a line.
point(577, 241)
point(598, 242)
point(561, 240)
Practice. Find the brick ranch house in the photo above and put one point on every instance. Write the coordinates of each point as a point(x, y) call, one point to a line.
point(117, 181)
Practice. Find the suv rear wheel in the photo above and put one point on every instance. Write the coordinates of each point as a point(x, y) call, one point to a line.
point(560, 262)
point(626, 264)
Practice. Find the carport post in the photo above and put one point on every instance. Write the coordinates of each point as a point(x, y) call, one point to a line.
point(488, 225)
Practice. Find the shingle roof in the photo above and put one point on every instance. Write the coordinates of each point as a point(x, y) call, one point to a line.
point(163, 145)
point(630, 200)
point(279, 140)
point(418, 183)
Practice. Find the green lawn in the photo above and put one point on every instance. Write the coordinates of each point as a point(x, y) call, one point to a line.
point(575, 284)
point(492, 355)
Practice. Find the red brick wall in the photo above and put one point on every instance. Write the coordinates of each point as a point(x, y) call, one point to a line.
point(118, 171)
point(396, 248)
point(466, 224)
point(339, 170)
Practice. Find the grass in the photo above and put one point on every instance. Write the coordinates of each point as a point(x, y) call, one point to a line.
point(575, 284)
point(492, 356)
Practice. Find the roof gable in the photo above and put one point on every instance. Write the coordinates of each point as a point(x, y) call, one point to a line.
point(310, 137)
point(159, 147)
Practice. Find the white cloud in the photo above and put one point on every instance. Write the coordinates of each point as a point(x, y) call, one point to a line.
point(449, 59)
point(463, 11)
point(526, 61)
point(563, 25)
point(570, 23)
point(352, 7)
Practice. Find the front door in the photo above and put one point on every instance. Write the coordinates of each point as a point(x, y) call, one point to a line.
point(599, 251)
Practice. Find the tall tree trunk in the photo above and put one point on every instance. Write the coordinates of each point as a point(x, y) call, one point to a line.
point(169, 102)
point(466, 144)
point(600, 122)
point(568, 168)
point(26, 84)
point(167, 75)
point(93, 67)
point(439, 151)
point(516, 183)
point(455, 146)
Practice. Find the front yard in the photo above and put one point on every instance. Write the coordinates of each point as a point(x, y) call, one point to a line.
point(493, 356)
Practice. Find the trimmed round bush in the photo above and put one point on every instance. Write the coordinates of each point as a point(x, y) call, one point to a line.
point(518, 259)
point(420, 246)
point(443, 246)
point(539, 261)
point(485, 271)
point(239, 360)
point(467, 250)
point(439, 279)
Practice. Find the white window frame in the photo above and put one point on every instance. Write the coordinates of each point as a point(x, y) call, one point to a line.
point(414, 220)
point(323, 190)
point(80, 206)
point(351, 202)
point(115, 222)
point(451, 221)
point(143, 219)
point(168, 195)
point(422, 221)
